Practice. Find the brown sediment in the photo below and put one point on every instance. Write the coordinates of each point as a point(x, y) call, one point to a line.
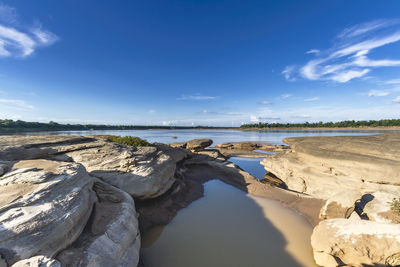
point(390, 215)
point(194, 172)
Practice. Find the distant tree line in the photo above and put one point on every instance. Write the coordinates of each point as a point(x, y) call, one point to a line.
point(341, 124)
point(26, 126)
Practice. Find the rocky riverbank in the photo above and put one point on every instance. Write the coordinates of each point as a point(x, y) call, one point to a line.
point(359, 178)
point(84, 200)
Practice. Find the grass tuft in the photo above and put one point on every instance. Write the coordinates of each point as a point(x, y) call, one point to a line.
point(127, 140)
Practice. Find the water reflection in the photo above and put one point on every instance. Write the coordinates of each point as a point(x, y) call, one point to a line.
point(250, 165)
point(228, 228)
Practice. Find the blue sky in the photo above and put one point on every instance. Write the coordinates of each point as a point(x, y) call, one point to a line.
point(217, 63)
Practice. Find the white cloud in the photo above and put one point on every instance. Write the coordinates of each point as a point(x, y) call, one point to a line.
point(386, 92)
point(363, 28)
point(311, 99)
point(264, 103)
point(397, 99)
point(15, 41)
point(378, 93)
point(346, 76)
point(16, 103)
point(288, 73)
point(394, 81)
point(286, 96)
point(348, 59)
point(152, 111)
point(313, 51)
point(197, 97)
point(254, 119)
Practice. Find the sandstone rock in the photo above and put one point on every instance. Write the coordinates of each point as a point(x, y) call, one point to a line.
point(198, 144)
point(112, 237)
point(356, 243)
point(37, 261)
point(143, 172)
point(325, 166)
point(341, 205)
point(271, 179)
point(179, 144)
point(213, 153)
point(378, 209)
point(44, 206)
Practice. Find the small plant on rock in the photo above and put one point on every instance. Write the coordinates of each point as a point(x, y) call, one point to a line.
point(127, 140)
point(395, 205)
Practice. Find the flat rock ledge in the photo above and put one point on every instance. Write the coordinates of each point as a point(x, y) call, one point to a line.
point(249, 149)
point(358, 177)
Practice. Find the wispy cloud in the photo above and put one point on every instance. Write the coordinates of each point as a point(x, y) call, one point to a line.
point(152, 111)
point(313, 51)
point(288, 73)
point(211, 112)
point(348, 58)
point(197, 97)
point(17, 41)
point(301, 116)
point(7, 14)
point(394, 81)
point(311, 99)
point(16, 103)
point(265, 102)
point(284, 96)
point(385, 92)
point(397, 99)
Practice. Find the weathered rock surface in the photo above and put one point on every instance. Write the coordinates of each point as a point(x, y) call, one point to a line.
point(341, 205)
point(338, 242)
point(112, 236)
point(44, 206)
point(194, 145)
point(378, 208)
point(144, 172)
point(325, 166)
point(37, 261)
point(249, 149)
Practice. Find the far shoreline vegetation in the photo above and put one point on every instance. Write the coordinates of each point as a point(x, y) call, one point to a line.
point(11, 126)
point(340, 124)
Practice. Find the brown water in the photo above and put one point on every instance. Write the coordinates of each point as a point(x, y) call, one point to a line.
point(227, 227)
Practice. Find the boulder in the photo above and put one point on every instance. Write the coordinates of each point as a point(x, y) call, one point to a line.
point(112, 237)
point(338, 242)
point(44, 206)
point(198, 144)
point(143, 172)
point(37, 261)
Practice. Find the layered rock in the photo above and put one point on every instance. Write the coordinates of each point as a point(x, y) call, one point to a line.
point(144, 172)
point(37, 261)
point(325, 166)
point(112, 236)
point(47, 195)
point(249, 149)
point(44, 206)
point(338, 242)
point(194, 145)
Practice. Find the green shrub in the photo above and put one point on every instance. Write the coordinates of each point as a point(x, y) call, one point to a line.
point(395, 205)
point(127, 140)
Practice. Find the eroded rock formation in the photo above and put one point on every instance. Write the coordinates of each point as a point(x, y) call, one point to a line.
point(358, 177)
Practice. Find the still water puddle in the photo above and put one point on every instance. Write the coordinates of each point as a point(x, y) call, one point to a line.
point(227, 227)
point(250, 165)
